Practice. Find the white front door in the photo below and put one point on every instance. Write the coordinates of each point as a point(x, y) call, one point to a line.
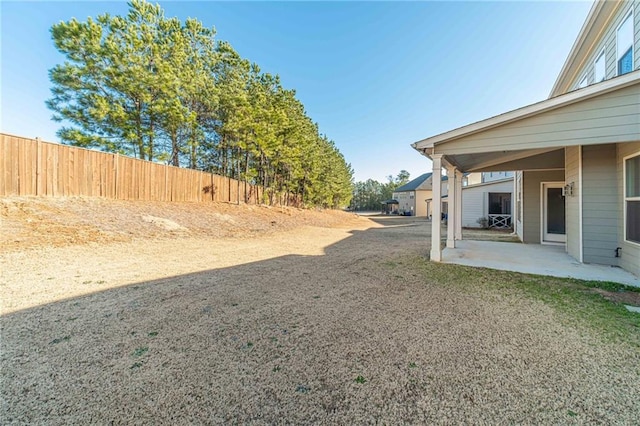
point(553, 213)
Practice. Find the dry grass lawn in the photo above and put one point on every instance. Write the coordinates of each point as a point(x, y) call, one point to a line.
point(286, 316)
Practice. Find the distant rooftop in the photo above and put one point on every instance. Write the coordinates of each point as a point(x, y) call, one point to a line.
point(414, 184)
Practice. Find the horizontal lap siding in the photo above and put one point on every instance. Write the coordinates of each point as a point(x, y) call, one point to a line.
point(572, 175)
point(630, 255)
point(32, 167)
point(473, 200)
point(611, 117)
point(608, 43)
point(600, 204)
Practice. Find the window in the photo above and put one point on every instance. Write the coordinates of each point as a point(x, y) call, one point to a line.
point(499, 203)
point(600, 68)
point(583, 83)
point(625, 45)
point(632, 198)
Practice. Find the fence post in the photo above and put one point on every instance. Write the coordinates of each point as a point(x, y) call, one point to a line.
point(165, 196)
point(115, 175)
point(38, 166)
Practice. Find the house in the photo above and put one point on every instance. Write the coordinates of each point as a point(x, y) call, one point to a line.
point(487, 200)
point(414, 197)
point(577, 153)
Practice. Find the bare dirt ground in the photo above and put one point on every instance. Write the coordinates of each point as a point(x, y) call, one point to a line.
point(234, 314)
point(31, 222)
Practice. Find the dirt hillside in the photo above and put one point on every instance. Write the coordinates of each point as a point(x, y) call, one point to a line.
point(32, 222)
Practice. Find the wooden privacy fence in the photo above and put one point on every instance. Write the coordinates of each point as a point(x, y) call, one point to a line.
point(33, 167)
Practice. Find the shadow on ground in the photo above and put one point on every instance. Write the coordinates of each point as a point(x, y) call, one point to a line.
point(357, 335)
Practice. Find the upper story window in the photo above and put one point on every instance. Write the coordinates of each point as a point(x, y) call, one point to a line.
point(624, 42)
point(600, 68)
point(583, 83)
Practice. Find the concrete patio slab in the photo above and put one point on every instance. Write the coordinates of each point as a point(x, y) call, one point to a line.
point(533, 259)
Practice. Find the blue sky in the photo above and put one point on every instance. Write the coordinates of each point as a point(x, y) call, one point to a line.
point(375, 76)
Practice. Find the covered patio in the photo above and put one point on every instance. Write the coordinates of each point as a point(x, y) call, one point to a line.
point(546, 143)
point(533, 259)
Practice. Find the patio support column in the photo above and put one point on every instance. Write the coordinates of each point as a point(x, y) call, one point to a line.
point(436, 208)
point(458, 230)
point(452, 212)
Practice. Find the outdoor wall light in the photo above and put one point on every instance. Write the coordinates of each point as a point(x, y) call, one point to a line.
point(567, 191)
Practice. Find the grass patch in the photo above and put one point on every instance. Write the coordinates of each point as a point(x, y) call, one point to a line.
point(140, 351)
point(575, 299)
point(360, 380)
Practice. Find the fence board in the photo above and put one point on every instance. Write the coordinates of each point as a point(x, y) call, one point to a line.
point(34, 167)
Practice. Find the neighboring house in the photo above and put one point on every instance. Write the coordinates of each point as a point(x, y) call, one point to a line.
point(487, 200)
point(414, 197)
point(578, 152)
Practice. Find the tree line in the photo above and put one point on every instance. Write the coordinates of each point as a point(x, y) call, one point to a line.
point(165, 90)
point(368, 195)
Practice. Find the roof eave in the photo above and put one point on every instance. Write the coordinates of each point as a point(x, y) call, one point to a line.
point(429, 145)
point(598, 18)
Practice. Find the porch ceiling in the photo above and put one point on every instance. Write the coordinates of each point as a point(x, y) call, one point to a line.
point(529, 159)
point(534, 136)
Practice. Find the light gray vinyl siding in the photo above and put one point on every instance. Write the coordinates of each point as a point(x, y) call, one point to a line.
point(600, 204)
point(531, 207)
point(473, 206)
point(607, 118)
point(572, 175)
point(608, 43)
point(630, 255)
point(475, 199)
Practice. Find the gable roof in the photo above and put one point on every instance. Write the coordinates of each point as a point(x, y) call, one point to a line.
point(414, 184)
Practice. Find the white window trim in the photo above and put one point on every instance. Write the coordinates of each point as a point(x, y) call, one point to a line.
point(628, 15)
point(583, 83)
point(604, 56)
point(625, 198)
